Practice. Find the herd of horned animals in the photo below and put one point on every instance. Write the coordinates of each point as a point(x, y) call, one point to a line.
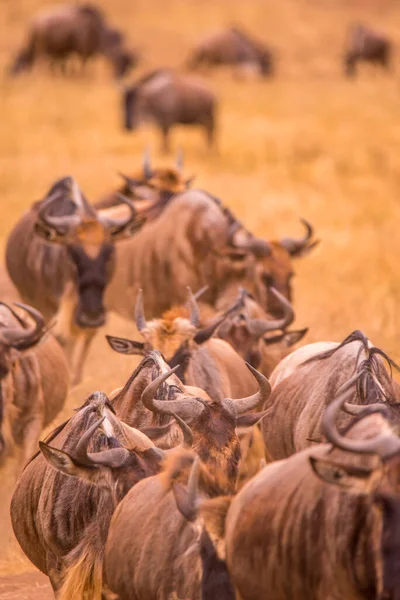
point(228, 465)
point(71, 35)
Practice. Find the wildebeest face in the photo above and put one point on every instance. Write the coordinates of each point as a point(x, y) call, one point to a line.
point(130, 109)
point(274, 271)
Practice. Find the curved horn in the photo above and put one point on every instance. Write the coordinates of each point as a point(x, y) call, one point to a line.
point(200, 292)
point(245, 404)
point(186, 409)
point(140, 319)
point(80, 201)
point(60, 224)
point(207, 332)
point(295, 246)
point(24, 339)
point(148, 173)
point(113, 458)
point(179, 160)
point(194, 309)
point(384, 445)
point(259, 327)
point(186, 431)
point(117, 225)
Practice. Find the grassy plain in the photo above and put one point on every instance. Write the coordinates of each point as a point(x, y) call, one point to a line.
point(307, 143)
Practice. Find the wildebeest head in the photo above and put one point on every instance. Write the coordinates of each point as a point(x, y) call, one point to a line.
point(213, 422)
point(65, 217)
point(108, 453)
point(379, 483)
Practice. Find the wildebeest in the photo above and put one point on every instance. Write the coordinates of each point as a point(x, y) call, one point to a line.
point(307, 380)
point(196, 241)
point(62, 522)
point(33, 381)
point(60, 256)
point(290, 535)
point(204, 361)
point(232, 47)
point(80, 30)
point(249, 332)
point(136, 564)
point(154, 185)
point(168, 98)
point(365, 45)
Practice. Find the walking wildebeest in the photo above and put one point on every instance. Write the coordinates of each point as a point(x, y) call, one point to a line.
point(136, 564)
point(291, 536)
point(33, 381)
point(307, 380)
point(232, 47)
point(61, 257)
point(168, 98)
point(154, 185)
point(62, 522)
point(80, 30)
point(196, 241)
point(365, 45)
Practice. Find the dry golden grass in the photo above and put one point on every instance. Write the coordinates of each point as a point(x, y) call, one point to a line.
point(309, 143)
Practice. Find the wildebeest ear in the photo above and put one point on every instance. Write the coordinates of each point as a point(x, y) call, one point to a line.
point(124, 346)
point(250, 419)
point(61, 461)
point(292, 337)
point(355, 480)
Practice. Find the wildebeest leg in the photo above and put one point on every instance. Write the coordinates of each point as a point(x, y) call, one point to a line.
point(80, 352)
point(53, 571)
point(210, 131)
point(165, 148)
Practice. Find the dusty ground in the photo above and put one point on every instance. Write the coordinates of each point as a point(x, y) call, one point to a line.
point(309, 143)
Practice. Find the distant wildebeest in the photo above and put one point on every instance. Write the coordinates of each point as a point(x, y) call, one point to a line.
point(307, 380)
point(61, 257)
point(80, 30)
point(365, 45)
point(136, 565)
point(167, 98)
point(61, 522)
point(194, 242)
point(33, 381)
point(153, 185)
point(289, 535)
point(232, 47)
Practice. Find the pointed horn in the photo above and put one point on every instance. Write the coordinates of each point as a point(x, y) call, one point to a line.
point(194, 309)
point(200, 292)
point(81, 450)
point(246, 404)
point(185, 409)
point(384, 445)
point(118, 225)
point(113, 458)
point(179, 160)
point(83, 206)
point(295, 246)
point(147, 170)
point(26, 338)
point(61, 225)
point(130, 181)
point(140, 319)
point(206, 333)
point(186, 431)
point(259, 327)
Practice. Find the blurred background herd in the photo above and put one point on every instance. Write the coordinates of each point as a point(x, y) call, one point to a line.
point(307, 141)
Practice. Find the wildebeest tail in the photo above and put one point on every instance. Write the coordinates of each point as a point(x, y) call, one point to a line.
point(83, 578)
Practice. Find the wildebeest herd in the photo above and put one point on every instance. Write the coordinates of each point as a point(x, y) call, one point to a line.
point(228, 465)
point(165, 96)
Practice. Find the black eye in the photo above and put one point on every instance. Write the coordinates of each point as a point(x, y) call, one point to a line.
point(268, 280)
point(337, 474)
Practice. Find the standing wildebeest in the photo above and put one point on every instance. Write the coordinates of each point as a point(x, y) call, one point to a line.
point(204, 362)
point(136, 564)
point(155, 185)
point(232, 47)
point(195, 241)
point(167, 98)
point(80, 30)
point(60, 256)
point(62, 523)
point(307, 380)
point(366, 45)
point(33, 381)
point(290, 536)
